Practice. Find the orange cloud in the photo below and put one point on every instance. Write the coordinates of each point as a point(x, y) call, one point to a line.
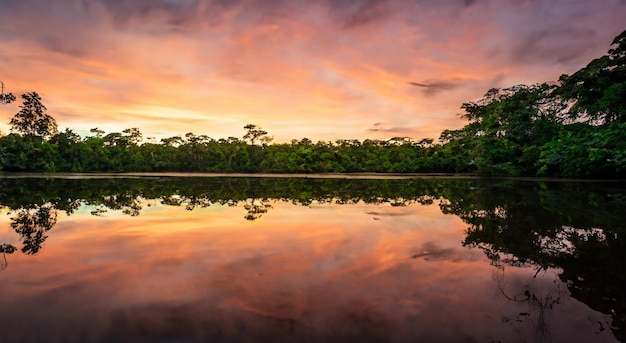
point(322, 69)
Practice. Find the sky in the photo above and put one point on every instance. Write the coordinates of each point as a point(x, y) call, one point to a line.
point(321, 69)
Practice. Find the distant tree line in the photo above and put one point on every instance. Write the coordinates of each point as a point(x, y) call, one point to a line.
point(575, 127)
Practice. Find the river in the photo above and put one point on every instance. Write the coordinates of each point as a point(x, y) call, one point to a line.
point(165, 258)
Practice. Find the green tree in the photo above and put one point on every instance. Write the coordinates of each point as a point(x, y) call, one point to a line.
point(133, 136)
point(504, 124)
point(32, 120)
point(597, 92)
point(70, 155)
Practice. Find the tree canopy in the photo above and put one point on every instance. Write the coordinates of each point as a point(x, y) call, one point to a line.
point(597, 92)
point(32, 120)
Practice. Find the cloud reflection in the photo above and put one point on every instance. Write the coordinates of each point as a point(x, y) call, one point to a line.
point(322, 272)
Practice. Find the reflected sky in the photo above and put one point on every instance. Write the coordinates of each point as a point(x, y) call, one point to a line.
point(323, 272)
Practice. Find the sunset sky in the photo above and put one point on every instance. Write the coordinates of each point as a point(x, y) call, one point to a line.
point(322, 69)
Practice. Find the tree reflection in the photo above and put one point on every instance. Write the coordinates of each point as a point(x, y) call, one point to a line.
point(32, 224)
point(128, 203)
point(256, 208)
point(6, 249)
point(535, 294)
point(575, 229)
point(578, 228)
point(591, 260)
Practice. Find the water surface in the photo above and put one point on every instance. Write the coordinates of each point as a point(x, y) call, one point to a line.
point(168, 259)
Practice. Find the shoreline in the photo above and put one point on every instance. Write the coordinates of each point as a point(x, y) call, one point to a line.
point(365, 176)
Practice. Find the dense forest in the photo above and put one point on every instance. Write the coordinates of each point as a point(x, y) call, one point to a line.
point(574, 127)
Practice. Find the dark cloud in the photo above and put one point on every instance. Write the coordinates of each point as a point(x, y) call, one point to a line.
point(60, 27)
point(496, 81)
point(181, 13)
point(560, 45)
point(356, 13)
point(177, 12)
point(431, 88)
point(192, 14)
point(63, 45)
point(398, 131)
point(389, 214)
point(433, 252)
point(32, 8)
point(469, 3)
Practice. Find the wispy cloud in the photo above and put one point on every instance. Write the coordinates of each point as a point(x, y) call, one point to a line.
point(431, 88)
point(431, 251)
point(346, 63)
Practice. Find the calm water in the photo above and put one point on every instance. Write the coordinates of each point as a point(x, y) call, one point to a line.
point(172, 259)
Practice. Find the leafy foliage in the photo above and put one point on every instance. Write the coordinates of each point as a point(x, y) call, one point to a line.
point(32, 119)
point(597, 92)
point(573, 128)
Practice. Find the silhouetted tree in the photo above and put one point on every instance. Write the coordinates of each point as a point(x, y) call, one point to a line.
point(254, 133)
point(32, 224)
point(32, 119)
point(5, 98)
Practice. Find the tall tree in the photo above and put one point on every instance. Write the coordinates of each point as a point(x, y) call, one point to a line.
point(5, 98)
point(255, 133)
point(32, 120)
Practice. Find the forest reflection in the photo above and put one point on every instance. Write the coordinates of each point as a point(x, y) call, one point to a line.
point(577, 228)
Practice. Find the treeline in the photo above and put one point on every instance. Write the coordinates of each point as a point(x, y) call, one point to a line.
point(67, 152)
point(575, 127)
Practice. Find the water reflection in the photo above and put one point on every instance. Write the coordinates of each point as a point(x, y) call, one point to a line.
point(31, 224)
point(539, 295)
point(578, 228)
point(238, 259)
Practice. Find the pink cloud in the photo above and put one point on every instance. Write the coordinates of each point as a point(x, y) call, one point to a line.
point(332, 66)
